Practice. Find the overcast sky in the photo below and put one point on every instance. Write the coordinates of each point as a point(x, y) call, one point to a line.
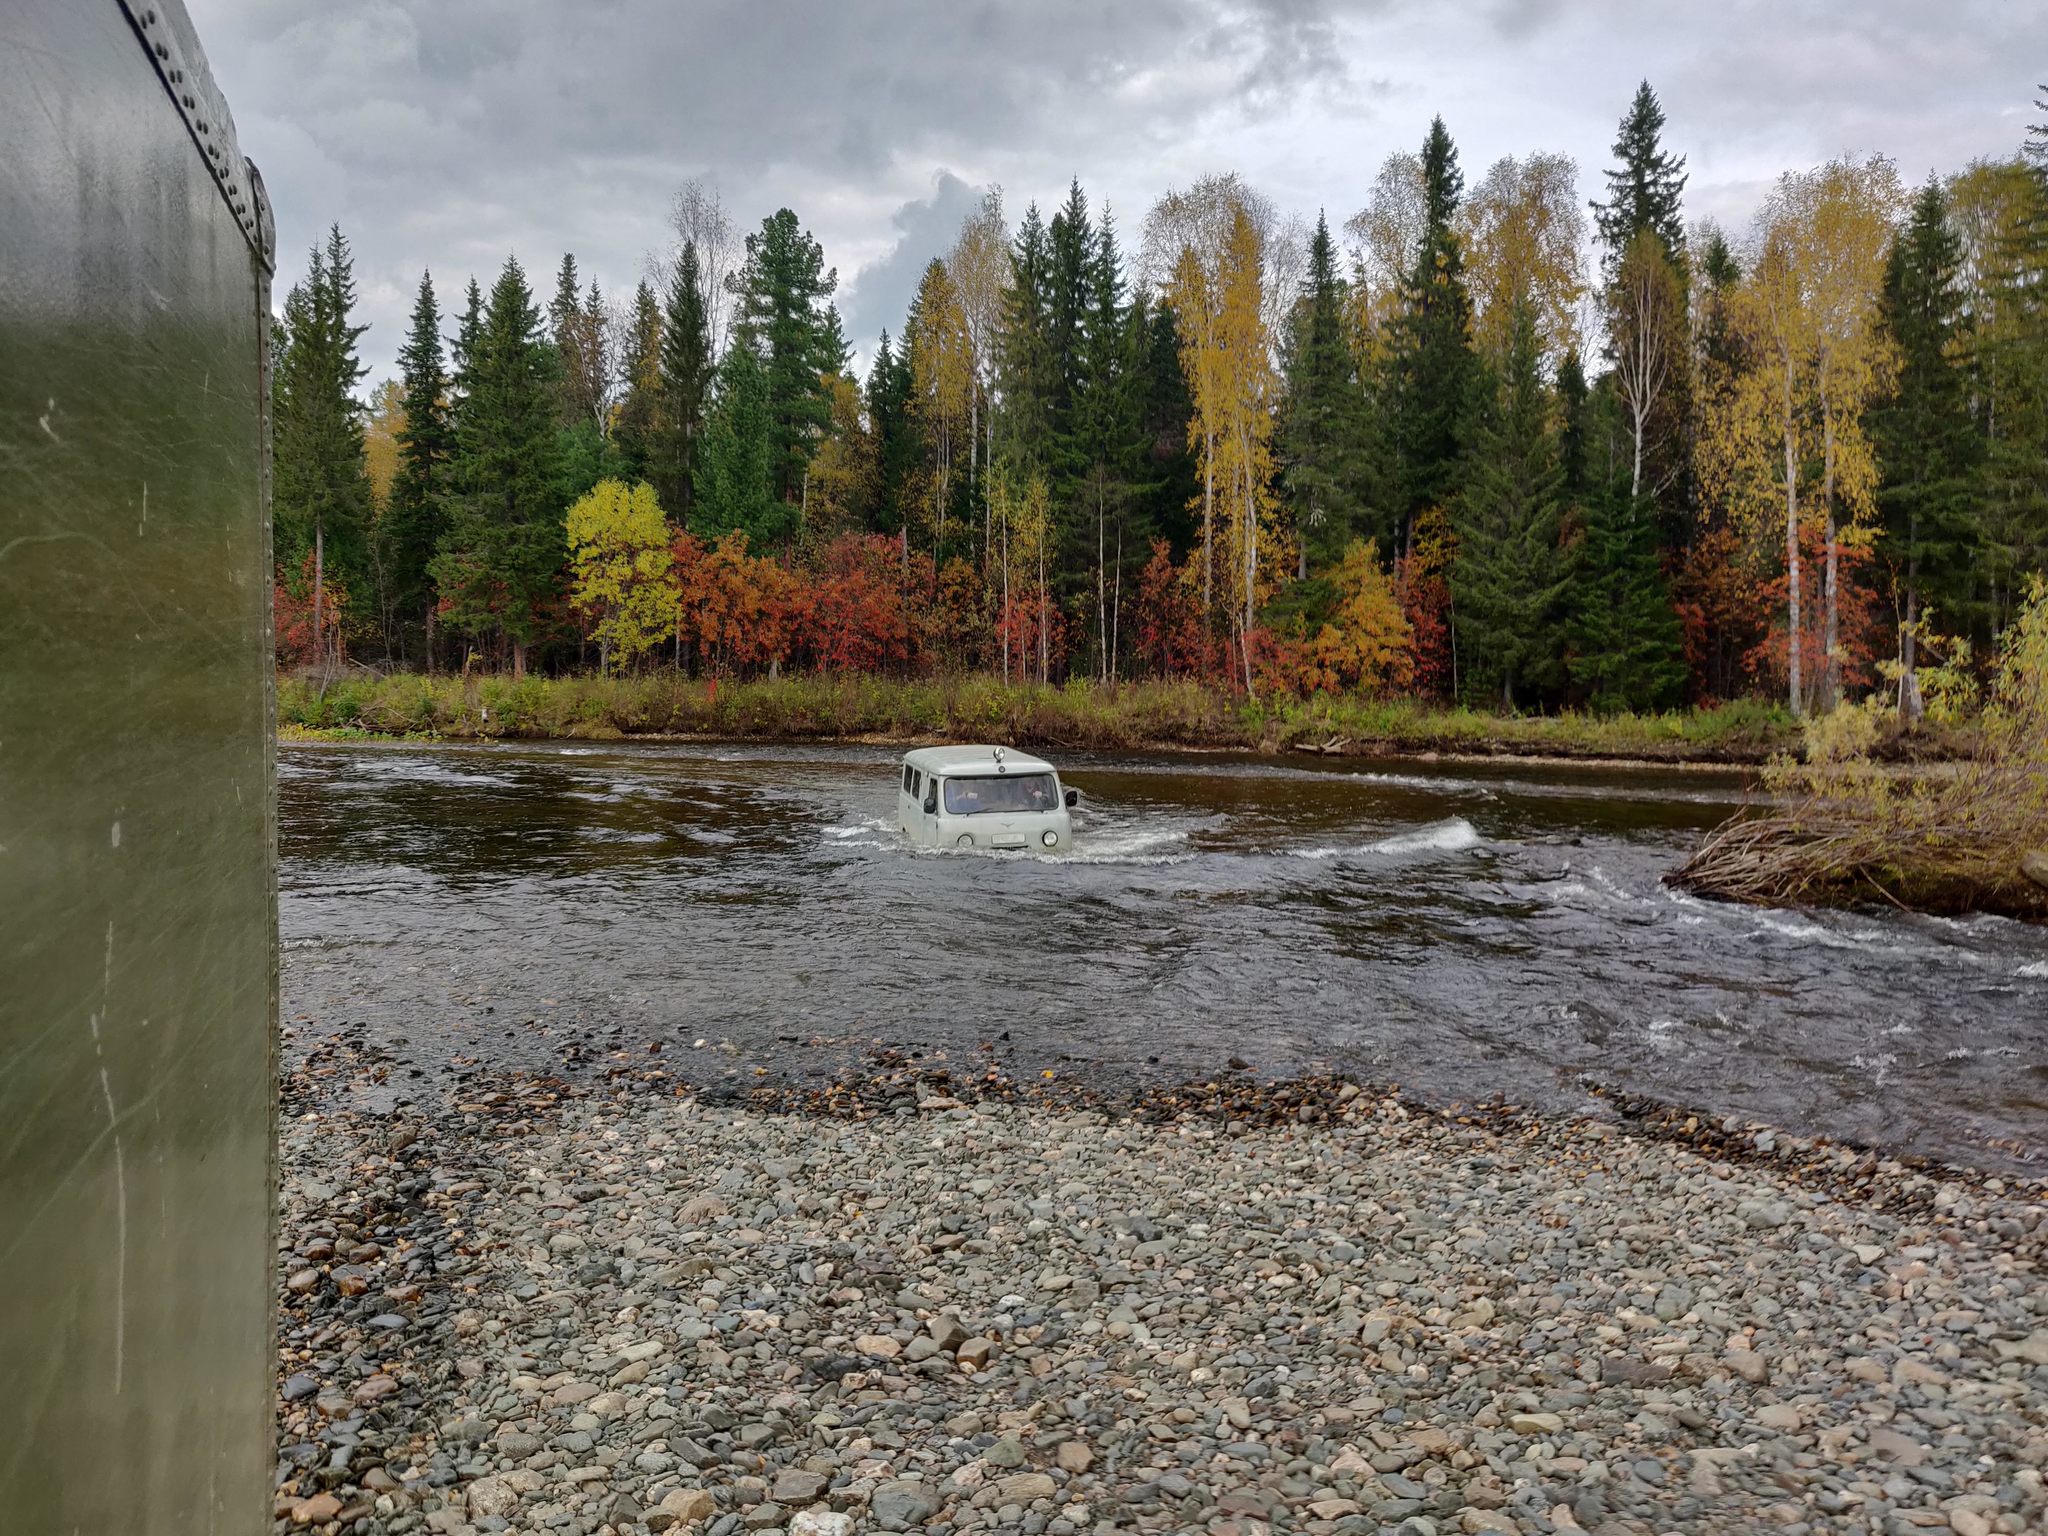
point(449, 133)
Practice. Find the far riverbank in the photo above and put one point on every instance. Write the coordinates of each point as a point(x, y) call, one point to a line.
point(1082, 716)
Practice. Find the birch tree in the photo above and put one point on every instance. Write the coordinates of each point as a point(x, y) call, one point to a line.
point(1525, 235)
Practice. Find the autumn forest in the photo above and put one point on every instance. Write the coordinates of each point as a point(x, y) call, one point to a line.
point(1476, 441)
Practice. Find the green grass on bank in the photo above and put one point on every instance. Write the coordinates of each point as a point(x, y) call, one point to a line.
point(1078, 715)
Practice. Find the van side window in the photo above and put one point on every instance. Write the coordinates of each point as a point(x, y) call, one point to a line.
point(916, 780)
point(909, 780)
point(931, 799)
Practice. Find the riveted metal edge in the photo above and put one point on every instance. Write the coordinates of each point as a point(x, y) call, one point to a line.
point(168, 37)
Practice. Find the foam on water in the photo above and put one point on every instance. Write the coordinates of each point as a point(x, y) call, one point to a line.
point(2036, 970)
point(1452, 835)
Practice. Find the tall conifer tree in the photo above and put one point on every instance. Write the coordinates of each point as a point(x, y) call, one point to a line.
point(1323, 422)
point(1508, 585)
point(785, 315)
point(502, 555)
point(1433, 371)
point(1927, 446)
point(320, 489)
point(1646, 189)
point(640, 391)
point(686, 374)
point(735, 470)
point(416, 516)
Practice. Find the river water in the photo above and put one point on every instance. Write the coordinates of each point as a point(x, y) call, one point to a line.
point(1463, 931)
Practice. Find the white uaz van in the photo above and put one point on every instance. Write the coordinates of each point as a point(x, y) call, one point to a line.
point(983, 797)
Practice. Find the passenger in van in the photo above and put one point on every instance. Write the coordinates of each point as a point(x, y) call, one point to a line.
point(967, 801)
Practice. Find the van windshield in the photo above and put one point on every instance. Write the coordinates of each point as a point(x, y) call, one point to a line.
point(1011, 792)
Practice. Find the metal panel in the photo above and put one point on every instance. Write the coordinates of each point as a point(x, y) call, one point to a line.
point(137, 823)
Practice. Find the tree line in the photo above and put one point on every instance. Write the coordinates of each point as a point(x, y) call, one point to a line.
point(1463, 446)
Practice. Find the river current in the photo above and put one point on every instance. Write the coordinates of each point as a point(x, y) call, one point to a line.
point(1463, 931)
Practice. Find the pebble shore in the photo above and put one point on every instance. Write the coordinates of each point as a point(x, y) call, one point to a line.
point(1312, 1309)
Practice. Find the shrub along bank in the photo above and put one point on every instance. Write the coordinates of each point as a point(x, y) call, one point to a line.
point(1079, 715)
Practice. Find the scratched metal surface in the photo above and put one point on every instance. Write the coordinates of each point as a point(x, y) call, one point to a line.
point(137, 825)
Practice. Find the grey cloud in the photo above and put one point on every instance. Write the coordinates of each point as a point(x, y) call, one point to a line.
point(880, 292)
point(451, 132)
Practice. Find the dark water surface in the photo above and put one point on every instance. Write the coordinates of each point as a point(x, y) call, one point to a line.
point(1463, 931)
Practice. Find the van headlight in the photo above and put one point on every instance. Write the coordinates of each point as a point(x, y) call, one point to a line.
point(964, 840)
point(1051, 839)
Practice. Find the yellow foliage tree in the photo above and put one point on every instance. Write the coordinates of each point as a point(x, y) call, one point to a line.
point(1239, 371)
point(844, 474)
point(1524, 232)
point(1384, 236)
point(381, 432)
point(1366, 646)
point(623, 570)
point(942, 382)
point(1808, 312)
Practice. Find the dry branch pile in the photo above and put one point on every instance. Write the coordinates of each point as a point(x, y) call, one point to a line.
point(1845, 830)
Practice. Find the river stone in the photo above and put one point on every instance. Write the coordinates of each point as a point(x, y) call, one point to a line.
point(491, 1496)
point(899, 1505)
point(2035, 867)
point(1022, 1488)
point(794, 1485)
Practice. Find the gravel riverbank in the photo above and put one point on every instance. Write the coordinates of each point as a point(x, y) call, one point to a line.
point(1298, 1310)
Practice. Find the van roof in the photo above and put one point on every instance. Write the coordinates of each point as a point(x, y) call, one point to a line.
point(978, 759)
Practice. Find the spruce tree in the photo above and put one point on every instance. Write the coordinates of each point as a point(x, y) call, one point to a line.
point(735, 469)
point(784, 314)
point(1029, 362)
point(1927, 445)
point(685, 390)
point(1509, 584)
point(502, 555)
point(1645, 190)
point(416, 515)
point(468, 330)
point(1433, 373)
point(2012, 368)
point(1110, 439)
point(320, 491)
point(565, 330)
point(1628, 651)
point(1170, 478)
point(640, 392)
point(899, 448)
point(1070, 244)
point(1322, 422)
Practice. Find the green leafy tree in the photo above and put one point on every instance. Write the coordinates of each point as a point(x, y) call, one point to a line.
point(735, 486)
point(1509, 585)
point(416, 515)
point(321, 494)
point(500, 563)
point(1322, 426)
point(785, 315)
point(1928, 448)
